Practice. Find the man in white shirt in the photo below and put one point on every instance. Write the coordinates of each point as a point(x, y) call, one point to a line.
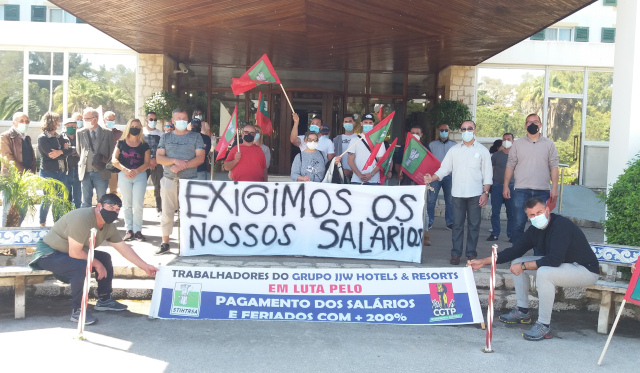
point(325, 146)
point(359, 152)
point(341, 142)
point(472, 173)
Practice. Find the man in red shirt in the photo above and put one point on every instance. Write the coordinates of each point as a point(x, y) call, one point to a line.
point(249, 163)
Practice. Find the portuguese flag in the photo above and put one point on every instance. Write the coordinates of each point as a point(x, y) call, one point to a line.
point(417, 160)
point(376, 136)
point(262, 72)
point(229, 134)
point(633, 290)
point(385, 161)
point(262, 116)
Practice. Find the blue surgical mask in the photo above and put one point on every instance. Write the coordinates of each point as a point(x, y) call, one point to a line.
point(367, 127)
point(467, 136)
point(79, 123)
point(314, 128)
point(23, 127)
point(444, 134)
point(152, 124)
point(181, 125)
point(348, 126)
point(111, 124)
point(540, 221)
point(257, 137)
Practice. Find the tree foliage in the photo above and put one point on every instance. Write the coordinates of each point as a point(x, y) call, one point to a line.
point(623, 203)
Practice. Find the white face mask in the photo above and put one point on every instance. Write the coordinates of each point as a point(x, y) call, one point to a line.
point(152, 124)
point(507, 144)
point(416, 136)
point(540, 221)
point(312, 145)
point(467, 136)
point(86, 124)
point(181, 125)
point(198, 117)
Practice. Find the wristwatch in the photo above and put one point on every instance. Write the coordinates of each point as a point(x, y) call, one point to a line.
point(524, 267)
point(486, 192)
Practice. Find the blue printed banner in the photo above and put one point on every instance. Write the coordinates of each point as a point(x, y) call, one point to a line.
point(408, 296)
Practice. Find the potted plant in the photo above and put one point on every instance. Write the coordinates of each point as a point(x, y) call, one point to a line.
point(22, 191)
point(162, 103)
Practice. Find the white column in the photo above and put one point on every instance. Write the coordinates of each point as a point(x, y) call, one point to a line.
point(624, 141)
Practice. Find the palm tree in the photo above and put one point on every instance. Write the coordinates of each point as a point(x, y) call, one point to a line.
point(8, 108)
point(21, 190)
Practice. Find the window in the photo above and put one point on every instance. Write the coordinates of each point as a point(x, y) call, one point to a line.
point(538, 36)
point(60, 16)
point(555, 33)
point(581, 34)
point(38, 13)
point(608, 35)
point(11, 12)
point(610, 2)
point(564, 34)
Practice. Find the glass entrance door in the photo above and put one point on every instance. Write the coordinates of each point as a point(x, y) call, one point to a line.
point(564, 125)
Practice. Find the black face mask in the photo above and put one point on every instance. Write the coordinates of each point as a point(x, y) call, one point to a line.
point(108, 216)
point(248, 137)
point(196, 128)
point(533, 128)
point(134, 131)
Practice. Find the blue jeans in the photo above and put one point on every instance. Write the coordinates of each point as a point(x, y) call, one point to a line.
point(72, 271)
point(520, 197)
point(445, 184)
point(44, 208)
point(132, 191)
point(5, 211)
point(496, 204)
point(92, 180)
point(74, 187)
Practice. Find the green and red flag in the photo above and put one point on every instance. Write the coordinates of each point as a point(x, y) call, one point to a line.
point(262, 72)
point(262, 117)
point(385, 161)
point(633, 290)
point(375, 137)
point(417, 160)
point(229, 134)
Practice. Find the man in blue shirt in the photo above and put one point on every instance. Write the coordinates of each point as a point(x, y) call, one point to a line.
point(439, 148)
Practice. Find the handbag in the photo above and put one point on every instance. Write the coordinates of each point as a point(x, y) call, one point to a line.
point(98, 161)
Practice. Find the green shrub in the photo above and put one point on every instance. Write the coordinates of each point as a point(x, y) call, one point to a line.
point(622, 224)
point(449, 112)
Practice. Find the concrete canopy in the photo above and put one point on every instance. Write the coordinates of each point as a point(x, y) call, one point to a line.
point(399, 35)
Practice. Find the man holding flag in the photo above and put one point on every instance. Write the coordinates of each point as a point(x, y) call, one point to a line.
point(360, 150)
point(470, 165)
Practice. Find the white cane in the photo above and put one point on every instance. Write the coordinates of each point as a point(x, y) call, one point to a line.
point(87, 282)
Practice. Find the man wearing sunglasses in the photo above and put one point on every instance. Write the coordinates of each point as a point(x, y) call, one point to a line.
point(180, 152)
point(469, 164)
point(63, 251)
point(533, 161)
point(248, 163)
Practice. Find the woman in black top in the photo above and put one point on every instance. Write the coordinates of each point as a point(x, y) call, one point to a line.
point(53, 150)
point(132, 157)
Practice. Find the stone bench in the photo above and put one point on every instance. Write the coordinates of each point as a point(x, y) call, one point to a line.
point(608, 289)
point(18, 276)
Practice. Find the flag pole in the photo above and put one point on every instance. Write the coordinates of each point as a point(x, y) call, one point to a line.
point(354, 144)
point(613, 329)
point(287, 97)
point(237, 134)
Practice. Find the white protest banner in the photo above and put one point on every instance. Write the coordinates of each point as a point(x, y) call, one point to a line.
point(310, 219)
point(406, 296)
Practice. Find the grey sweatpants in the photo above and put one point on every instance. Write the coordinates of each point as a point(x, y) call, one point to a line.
point(547, 278)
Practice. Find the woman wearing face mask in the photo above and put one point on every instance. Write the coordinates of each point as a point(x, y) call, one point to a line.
point(53, 151)
point(132, 157)
point(309, 164)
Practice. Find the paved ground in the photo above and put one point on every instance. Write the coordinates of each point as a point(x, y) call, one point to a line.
point(129, 341)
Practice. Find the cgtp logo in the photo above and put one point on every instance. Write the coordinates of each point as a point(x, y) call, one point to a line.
point(185, 300)
point(443, 302)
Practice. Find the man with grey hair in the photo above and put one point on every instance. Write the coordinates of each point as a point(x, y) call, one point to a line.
point(110, 124)
point(180, 152)
point(94, 145)
point(15, 146)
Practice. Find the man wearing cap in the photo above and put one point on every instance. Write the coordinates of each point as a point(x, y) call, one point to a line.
point(358, 153)
point(325, 146)
point(63, 251)
point(196, 126)
point(152, 137)
point(15, 145)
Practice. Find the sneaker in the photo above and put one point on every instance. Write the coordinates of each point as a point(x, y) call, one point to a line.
point(164, 249)
point(492, 238)
point(128, 236)
point(515, 317)
point(139, 236)
point(109, 305)
point(88, 319)
point(538, 332)
point(450, 227)
point(429, 228)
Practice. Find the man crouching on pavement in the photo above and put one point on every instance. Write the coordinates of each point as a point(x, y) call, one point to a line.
point(566, 260)
point(63, 251)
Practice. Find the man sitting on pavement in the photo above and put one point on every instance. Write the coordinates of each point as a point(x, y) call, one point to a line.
point(63, 251)
point(567, 260)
